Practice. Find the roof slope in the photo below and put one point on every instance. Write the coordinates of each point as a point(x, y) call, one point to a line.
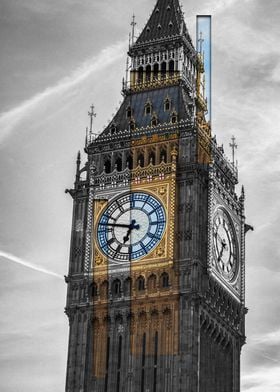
point(156, 98)
point(166, 20)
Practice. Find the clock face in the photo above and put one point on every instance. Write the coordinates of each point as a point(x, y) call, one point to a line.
point(225, 250)
point(131, 226)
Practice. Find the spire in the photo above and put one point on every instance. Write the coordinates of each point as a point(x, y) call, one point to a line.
point(133, 24)
point(233, 146)
point(166, 20)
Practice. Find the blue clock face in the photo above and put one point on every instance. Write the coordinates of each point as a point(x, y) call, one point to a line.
point(131, 226)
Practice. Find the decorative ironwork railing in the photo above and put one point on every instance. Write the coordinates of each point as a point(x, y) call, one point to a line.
point(153, 81)
point(125, 178)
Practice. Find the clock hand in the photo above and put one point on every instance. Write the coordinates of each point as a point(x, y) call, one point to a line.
point(224, 247)
point(221, 253)
point(116, 225)
point(222, 241)
point(131, 227)
point(219, 237)
point(126, 238)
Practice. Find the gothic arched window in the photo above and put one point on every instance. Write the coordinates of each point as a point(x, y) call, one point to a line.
point(156, 71)
point(140, 160)
point(107, 166)
point(163, 70)
point(167, 104)
point(174, 118)
point(127, 287)
point(148, 108)
point(113, 129)
point(118, 164)
point(104, 289)
point(152, 282)
point(165, 280)
point(129, 162)
point(154, 121)
point(116, 288)
point(148, 73)
point(171, 67)
point(163, 155)
point(140, 283)
point(94, 290)
point(140, 75)
point(132, 125)
point(152, 158)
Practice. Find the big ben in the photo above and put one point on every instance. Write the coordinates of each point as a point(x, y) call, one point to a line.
point(156, 283)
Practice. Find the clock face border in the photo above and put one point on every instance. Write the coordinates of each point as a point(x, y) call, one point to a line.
point(159, 229)
point(225, 251)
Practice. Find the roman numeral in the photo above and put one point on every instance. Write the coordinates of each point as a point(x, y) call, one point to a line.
point(110, 241)
point(143, 247)
point(120, 206)
point(150, 235)
point(108, 217)
point(154, 210)
point(118, 249)
point(157, 223)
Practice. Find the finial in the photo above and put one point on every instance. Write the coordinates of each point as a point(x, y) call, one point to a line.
point(126, 72)
point(87, 137)
point(233, 146)
point(78, 164)
point(200, 42)
point(90, 134)
point(133, 24)
point(91, 115)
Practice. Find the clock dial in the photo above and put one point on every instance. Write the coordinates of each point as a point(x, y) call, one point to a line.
point(225, 251)
point(131, 226)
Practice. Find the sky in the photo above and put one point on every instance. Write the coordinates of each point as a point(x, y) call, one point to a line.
point(57, 58)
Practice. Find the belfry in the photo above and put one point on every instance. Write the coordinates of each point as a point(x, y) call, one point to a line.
point(156, 282)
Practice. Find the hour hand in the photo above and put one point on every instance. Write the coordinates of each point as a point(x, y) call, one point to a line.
point(126, 238)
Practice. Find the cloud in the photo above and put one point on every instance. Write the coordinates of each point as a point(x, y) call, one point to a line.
point(27, 264)
point(9, 120)
point(263, 379)
point(270, 339)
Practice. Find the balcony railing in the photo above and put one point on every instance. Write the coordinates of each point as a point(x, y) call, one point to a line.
point(150, 81)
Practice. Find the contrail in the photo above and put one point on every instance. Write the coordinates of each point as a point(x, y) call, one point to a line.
point(11, 118)
point(27, 264)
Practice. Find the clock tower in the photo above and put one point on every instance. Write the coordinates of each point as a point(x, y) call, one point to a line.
point(155, 296)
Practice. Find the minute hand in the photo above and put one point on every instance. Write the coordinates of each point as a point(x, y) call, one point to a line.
point(116, 225)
